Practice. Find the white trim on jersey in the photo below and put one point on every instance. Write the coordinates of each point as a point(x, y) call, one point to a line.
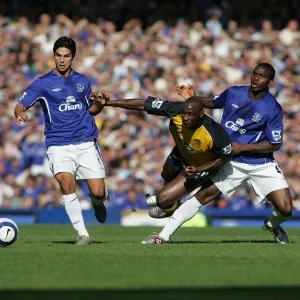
point(258, 136)
point(87, 101)
point(33, 101)
point(47, 105)
point(46, 102)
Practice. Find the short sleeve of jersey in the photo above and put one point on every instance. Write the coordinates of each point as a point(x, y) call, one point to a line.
point(158, 107)
point(274, 129)
point(32, 94)
point(222, 145)
point(219, 101)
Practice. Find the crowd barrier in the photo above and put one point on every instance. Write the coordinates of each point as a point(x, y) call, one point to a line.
point(117, 216)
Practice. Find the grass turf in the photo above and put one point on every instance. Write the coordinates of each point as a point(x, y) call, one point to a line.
point(44, 258)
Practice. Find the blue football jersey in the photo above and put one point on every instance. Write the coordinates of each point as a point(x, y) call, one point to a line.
point(65, 102)
point(251, 121)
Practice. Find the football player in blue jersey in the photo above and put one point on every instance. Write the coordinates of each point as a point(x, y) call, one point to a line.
point(253, 119)
point(71, 133)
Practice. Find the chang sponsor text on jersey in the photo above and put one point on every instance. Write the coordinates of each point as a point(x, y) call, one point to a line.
point(70, 104)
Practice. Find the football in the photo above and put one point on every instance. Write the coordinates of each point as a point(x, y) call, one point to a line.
point(8, 232)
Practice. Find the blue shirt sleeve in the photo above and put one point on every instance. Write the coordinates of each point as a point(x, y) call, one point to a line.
point(32, 94)
point(274, 129)
point(219, 101)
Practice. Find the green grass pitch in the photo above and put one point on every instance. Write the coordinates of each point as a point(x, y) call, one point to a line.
point(212, 262)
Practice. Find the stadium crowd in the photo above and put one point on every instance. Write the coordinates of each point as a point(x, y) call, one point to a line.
point(130, 62)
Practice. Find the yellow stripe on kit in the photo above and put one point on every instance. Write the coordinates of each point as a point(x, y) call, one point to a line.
point(171, 209)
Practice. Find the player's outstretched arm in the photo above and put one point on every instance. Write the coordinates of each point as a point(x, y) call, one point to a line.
point(187, 91)
point(20, 113)
point(104, 99)
point(262, 147)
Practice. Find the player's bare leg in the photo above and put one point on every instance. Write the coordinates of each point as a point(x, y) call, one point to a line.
point(168, 174)
point(173, 191)
point(98, 194)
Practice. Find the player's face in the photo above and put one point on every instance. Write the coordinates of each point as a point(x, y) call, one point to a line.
point(260, 80)
point(63, 60)
point(190, 117)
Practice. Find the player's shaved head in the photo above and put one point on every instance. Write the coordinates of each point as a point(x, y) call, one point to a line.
point(195, 103)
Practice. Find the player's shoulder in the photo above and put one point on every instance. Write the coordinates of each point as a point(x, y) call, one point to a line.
point(41, 81)
point(215, 129)
point(272, 104)
point(238, 88)
point(211, 125)
point(80, 76)
point(46, 76)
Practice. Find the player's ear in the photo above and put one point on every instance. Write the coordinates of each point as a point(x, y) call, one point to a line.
point(271, 82)
point(201, 113)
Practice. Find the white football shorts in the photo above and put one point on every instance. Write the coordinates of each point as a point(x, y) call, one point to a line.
point(83, 160)
point(264, 178)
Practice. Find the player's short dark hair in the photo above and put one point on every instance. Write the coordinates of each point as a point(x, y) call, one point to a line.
point(65, 42)
point(270, 69)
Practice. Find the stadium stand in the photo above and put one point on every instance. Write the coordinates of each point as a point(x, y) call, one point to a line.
point(137, 49)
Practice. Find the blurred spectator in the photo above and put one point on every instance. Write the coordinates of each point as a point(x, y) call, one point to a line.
point(211, 49)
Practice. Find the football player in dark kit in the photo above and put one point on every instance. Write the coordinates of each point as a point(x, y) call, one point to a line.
point(202, 146)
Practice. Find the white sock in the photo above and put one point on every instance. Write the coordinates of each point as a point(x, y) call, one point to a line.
point(276, 219)
point(185, 212)
point(74, 212)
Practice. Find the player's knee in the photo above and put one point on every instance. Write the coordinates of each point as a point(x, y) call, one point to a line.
point(287, 210)
point(98, 192)
point(163, 199)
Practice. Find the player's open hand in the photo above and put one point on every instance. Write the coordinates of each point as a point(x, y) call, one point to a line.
point(22, 117)
point(190, 170)
point(101, 98)
point(185, 91)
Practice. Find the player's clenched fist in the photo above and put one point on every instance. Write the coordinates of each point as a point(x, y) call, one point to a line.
point(22, 117)
point(190, 170)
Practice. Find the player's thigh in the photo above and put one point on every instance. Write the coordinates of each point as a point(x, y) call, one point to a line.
point(208, 192)
point(267, 179)
point(61, 159)
point(172, 191)
point(172, 166)
point(89, 161)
